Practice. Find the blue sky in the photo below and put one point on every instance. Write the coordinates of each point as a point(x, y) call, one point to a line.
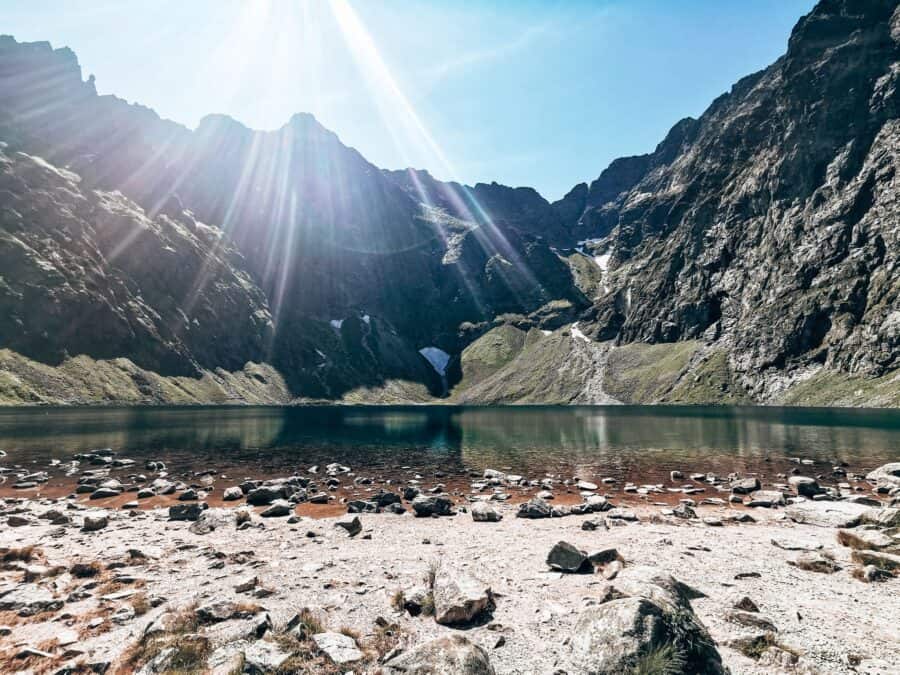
point(537, 93)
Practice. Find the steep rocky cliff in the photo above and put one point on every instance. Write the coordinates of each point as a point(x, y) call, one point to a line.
point(751, 257)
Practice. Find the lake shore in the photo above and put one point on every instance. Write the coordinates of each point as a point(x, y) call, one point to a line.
point(87, 596)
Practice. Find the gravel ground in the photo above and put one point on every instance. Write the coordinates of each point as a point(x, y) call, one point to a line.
point(836, 623)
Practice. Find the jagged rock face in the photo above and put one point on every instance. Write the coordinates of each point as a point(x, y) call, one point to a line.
point(769, 221)
point(84, 272)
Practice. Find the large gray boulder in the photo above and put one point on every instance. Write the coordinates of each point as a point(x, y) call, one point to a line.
point(453, 654)
point(460, 599)
point(620, 636)
point(886, 474)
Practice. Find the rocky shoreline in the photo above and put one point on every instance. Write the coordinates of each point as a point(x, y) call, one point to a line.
point(796, 578)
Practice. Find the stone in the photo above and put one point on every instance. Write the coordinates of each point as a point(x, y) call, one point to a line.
point(745, 486)
point(449, 655)
point(622, 514)
point(460, 598)
point(353, 526)
point(278, 509)
point(485, 513)
point(586, 486)
point(881, 517)
point(361, 506)
point(94, 522)
point(221, 610)
point(263, 657)
point(766, 498)
point(885, 474)
point(812, 561)
point(187, 511)
point(598, 503)
point(18, 520)
point(105, 493)
point(534, 508)
point(339, 648)
point(888, 562)
point(432, 505)
point(826, 514)
point(384, 498)
point(591, 525)
point(750, 619)
point(188, 495)
point(565, 557)
point(744, 603)
point(684, 511)
point(805, 486)
point(610, 639)
point(29, 599)
point(871, 540)
point(263, 496)
point(232, 493)
point(676, 475)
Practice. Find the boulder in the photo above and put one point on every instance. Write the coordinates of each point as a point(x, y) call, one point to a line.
point(750, 619)
point(352, 525)
point(886, 474)
point(886, 517)
point(815, 562)
point(485, 513)
point(263, 496)
point(278, 509)
point(29, 599)
point(826, 514)
point(745, 486)
point(534, 508)
point(766, 498)
point(888, 562)
point(94, 522)
point(263, 657)
point(432, 505)
point(452, 654)
point(361, 506)
point(339, 648)
point(870, 540)
point(684, 511)
point(460, 599)
point(565, 557)
point(187, 511)
point(232, 493)
point(222, 610)
point(805, 486)
point(615, 637)
point(105, 493)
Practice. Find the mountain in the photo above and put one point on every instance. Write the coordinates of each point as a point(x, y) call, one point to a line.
point(751, 257)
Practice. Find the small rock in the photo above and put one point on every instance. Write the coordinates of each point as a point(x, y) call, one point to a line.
point(567, 558)
point(340, 648)
point(353, 526)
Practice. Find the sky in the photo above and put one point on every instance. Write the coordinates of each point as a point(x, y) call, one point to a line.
point(523, 92)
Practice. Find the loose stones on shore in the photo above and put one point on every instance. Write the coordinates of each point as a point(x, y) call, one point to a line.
point(565, 557)
point(232, 493)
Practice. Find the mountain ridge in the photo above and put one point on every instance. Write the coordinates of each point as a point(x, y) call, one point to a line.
point(759, 233)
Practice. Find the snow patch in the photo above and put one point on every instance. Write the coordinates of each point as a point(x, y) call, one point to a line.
point(336, 324)
point(577, 334)
point(438, 358)
point(603, 261)
point(366, 318)
point(546, 332)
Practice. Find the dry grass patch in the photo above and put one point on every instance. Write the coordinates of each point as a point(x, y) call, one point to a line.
point(21, 554)
point(140, 604)
point(191, 648)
